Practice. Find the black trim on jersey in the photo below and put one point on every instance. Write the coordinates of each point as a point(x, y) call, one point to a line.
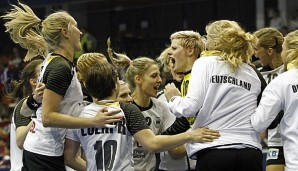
point(144, 108)
point(135, 120)
point(179, 126)
point(263, 84)
point(266, 68)
point(277, 120)
point(58, 75)
point(187, 72)
point(19, 119)
point(159, 94)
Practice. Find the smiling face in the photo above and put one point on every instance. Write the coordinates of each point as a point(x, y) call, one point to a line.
point(178, 56)
point(150, 81)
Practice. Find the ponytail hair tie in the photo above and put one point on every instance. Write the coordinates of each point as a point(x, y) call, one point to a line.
point(130, 62)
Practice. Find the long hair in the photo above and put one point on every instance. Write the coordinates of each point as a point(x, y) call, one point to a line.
point(37, 36)
point(291, 42)
point(22, 88)
point(236, 45)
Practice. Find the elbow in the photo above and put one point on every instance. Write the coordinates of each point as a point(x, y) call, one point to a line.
point(20, 144)
point(68, 160)
point(153, 147)
point(46, 122)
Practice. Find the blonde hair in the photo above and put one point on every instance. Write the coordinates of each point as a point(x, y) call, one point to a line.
point(190, 39)
point(236, 45)
point(270, 38)
point(37, 36)
point(137, 66)
point(291, 41)
point(86, 61)
point(164, 60)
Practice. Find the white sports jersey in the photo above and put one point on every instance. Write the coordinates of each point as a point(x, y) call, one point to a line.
point(281, 94)
point(16, 154)
point(221, 100)
point(158, 118)
point(169, 163)
point(107, 149)
point(50, 141)
point(274, 137)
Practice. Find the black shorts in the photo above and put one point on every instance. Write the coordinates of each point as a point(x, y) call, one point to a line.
point(33, 161)
point(275, 156)
point(246, 159)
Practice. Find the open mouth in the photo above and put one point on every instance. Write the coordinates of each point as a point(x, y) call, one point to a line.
point(156, 87)
point(172, 60)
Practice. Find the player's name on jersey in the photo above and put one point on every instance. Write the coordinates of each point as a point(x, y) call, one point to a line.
point(120, 129)
point(230, 80)
point(295, 88)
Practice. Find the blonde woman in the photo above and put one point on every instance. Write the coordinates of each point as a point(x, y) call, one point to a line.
point(223, 93)
point(268, 50)
point(56, 38)
point(281, 94)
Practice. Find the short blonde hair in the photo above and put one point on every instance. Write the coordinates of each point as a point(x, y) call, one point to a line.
point(86, 61)
point(190, 39)
point(37, 36)
point(236, 45)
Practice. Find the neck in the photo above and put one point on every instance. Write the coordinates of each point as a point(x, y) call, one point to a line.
point(276, 62)
point(190, 62)
point(141, 99)
point(67, 54)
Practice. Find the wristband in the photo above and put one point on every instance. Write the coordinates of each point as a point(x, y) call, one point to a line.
point(32, 104)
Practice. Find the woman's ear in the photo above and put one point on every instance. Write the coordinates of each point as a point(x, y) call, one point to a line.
point(190, 51)
point(138, 79)
point(270, 51)
point(65, 33)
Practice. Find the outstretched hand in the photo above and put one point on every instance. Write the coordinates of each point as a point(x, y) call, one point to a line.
point(105, 117)
point(171, 90)
point(204, 135)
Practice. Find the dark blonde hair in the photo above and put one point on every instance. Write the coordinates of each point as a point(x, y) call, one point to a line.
point(101, 80)
point(86, 61)
point(164, 60)
point(22, 88)
point(190, 39)
point(37, 36)
point(270, 38)
point(236, 45)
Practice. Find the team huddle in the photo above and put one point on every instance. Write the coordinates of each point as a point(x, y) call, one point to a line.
point(212, 114)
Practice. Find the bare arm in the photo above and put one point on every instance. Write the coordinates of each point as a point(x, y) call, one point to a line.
point(157, 143)
point(71, 157)
point(178, 152)
point(51, 118)
point(21, 133)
